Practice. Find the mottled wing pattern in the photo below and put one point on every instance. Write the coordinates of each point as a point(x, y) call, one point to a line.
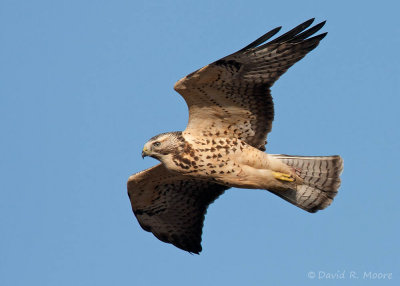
point(231, 97)
point(171, 206)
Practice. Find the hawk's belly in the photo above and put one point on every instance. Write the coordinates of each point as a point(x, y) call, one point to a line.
point(227, 161)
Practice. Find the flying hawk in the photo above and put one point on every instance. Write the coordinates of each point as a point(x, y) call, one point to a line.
point(230, 114)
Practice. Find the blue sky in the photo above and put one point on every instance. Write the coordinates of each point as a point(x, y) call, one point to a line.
point(84, 84)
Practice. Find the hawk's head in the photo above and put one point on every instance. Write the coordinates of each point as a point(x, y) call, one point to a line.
point(163, 144)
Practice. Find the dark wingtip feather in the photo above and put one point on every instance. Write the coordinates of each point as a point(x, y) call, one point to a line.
point(297, 34)
point(192, 249)
point(262, 39)
point(318, 37)
point(306, 24)
point(308, 32)
point(293, 32)
point(311, 43)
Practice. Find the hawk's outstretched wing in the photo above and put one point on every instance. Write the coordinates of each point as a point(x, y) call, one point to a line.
point(231, 97)
point(171, 206)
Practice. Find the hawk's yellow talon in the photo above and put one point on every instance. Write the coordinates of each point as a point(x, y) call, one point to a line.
point(283, 176)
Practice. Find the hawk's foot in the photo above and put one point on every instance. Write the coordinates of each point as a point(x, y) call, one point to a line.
point(283, 176)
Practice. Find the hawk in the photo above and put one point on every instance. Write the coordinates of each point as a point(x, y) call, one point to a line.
point(230, 114)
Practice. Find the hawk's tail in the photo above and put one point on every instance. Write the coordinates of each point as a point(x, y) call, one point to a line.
point(320, 181)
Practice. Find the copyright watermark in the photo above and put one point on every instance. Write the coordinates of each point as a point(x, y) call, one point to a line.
point(344, 274)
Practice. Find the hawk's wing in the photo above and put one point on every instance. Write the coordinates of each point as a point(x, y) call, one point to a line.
point(231, 97)
point(171, 206)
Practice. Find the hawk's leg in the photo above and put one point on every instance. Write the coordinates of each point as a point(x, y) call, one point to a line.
point(283, 176)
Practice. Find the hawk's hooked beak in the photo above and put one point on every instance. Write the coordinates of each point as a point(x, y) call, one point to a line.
point(145, 152)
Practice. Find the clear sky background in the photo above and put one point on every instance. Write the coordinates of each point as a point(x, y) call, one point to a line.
point(84, 84)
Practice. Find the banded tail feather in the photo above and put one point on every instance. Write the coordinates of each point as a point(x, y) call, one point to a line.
point(321, 180)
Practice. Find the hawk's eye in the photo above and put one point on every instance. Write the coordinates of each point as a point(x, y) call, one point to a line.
point(156, 144)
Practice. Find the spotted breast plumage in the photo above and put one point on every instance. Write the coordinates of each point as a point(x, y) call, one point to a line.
point(230, 114)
